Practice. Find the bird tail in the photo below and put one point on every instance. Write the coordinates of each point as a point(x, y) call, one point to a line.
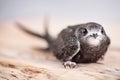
point(46, 36)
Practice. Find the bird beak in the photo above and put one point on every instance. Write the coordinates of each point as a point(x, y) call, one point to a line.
point(95, 35)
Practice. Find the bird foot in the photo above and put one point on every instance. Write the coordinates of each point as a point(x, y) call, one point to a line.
point(102, 58)
point(69, 64)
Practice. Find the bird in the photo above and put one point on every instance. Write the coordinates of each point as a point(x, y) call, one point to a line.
point(79, 43)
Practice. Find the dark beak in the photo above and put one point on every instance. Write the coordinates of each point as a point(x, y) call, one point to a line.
point(95, 35)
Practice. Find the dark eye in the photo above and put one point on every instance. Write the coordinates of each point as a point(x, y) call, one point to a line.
point(84, 31)
point(102, 31)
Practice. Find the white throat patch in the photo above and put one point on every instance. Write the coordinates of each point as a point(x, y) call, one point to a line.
point(93, 41)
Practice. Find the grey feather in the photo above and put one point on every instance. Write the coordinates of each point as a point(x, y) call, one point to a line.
point(82, 43)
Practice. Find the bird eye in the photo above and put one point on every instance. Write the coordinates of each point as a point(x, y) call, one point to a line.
point(84, 31)
point(102, 30)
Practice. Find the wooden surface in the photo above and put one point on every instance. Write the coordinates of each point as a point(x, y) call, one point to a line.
point(19, 61)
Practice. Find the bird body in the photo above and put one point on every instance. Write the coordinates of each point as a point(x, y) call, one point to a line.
point(82, 43)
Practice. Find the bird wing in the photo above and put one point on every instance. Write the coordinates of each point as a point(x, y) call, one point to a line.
point(67, 45)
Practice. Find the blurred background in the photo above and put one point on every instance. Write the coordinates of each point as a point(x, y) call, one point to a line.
point(18, 59)
point(62, 13)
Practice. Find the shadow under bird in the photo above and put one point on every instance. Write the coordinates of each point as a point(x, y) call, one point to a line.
point(81, 43)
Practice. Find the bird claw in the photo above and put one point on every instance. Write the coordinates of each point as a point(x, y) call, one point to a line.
point(102, 58)
point(69, 64)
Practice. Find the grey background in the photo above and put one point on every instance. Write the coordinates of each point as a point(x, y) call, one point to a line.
point(88, 10)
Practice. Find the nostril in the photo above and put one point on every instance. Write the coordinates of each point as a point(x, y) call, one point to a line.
point(95, 35)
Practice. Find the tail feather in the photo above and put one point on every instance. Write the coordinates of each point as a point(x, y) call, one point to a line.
point(22, 27)
point(46, 36)
point(46, 25)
